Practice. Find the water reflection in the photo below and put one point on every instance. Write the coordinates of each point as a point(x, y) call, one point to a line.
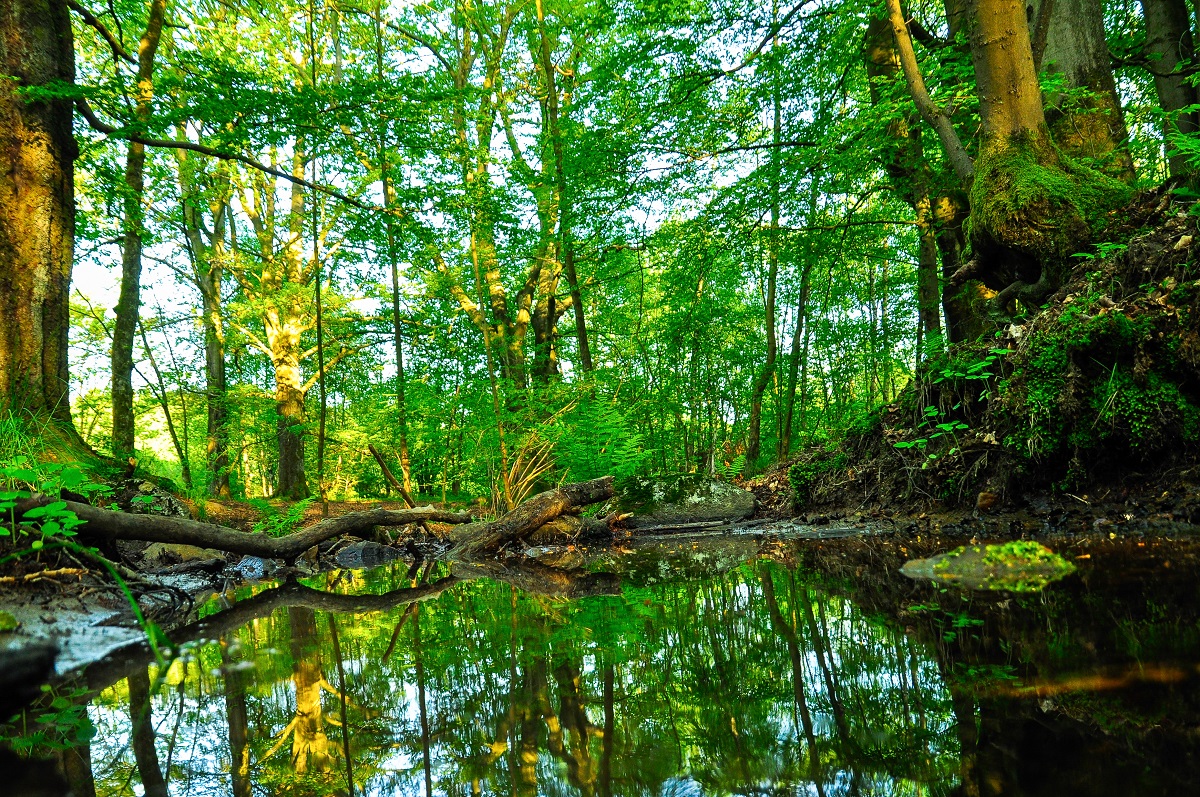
point(758, 681)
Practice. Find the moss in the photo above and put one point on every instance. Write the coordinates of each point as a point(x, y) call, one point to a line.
point(1029, 197)
point(1096, 379)
point(1018, 566)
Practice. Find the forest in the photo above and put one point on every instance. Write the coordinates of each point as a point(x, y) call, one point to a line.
point(253, 239)
point(599, 397)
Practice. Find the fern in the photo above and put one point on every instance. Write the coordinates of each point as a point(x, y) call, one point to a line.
point(275, 523)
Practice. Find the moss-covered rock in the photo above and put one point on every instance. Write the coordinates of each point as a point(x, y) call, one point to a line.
point(679, 499)
point(1019, 566)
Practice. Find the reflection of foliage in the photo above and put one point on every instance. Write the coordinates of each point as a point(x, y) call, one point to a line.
point(696, 676)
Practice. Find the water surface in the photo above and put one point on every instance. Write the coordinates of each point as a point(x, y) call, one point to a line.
point(717, 666)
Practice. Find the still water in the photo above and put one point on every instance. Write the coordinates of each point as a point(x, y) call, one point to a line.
point(712, 667)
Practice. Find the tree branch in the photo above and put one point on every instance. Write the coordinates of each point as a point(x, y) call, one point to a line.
point(118, 50)
point(934, 116)
point(165, 143)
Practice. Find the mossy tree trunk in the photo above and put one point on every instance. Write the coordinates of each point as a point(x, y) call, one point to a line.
point(37, 210)
point(1067, 39)
point(1031, 205)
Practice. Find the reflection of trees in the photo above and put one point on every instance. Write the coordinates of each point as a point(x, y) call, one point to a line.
point(488, 689)
point(310, 744)
point(142, 735)
point(238, 723)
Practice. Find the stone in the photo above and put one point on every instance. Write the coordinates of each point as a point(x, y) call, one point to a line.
point(253, 568)
point(164, 554)
point(679, 500)
point(1018, 566)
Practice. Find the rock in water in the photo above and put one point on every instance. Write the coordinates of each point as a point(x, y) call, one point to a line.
point(679, 500)
point(159, 555)
point(1019, 566)
point(364, 554)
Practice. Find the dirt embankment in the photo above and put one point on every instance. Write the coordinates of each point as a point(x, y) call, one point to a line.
point(1085, 413)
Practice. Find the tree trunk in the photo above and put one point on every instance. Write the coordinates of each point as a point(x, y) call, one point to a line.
point(37, 210)
point(1068, 39)
point(585, 351)
point(207, 259)
point(754, 437)
point(1030, 208)
point(289, 427)
point(1168, 45)
point(129, 302)
point(794, 358)
point(216, 394)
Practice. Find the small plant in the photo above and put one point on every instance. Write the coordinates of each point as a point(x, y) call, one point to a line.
point(20, 478)
point(942, 428)
point(52, 525)
point(732, 470)
point(63, 725)
point(1103, 251)
point(980, 369)
point(276, 523)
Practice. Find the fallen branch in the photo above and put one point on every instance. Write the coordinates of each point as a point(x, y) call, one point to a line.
point(47, 575)
point(111, 525)
point(476, 538)
point(396, 485)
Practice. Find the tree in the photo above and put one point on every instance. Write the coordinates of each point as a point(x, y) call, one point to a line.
point(129, 304)
point(1031, 206)
point(1169, 51)
point(37, 210)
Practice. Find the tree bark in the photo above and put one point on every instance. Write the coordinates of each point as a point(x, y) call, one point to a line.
point(129, 301)
point(1067, 38)
point(37, 210)
point(1169, 45)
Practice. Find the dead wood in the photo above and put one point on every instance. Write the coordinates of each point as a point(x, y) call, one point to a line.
point(474, 539)
point(111, 525)
point(395, 483)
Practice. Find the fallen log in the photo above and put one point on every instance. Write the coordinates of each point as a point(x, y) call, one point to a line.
point(106, 524)
point(473, 539)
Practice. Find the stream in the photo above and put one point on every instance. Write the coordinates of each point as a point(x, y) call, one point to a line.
point(753, 664)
